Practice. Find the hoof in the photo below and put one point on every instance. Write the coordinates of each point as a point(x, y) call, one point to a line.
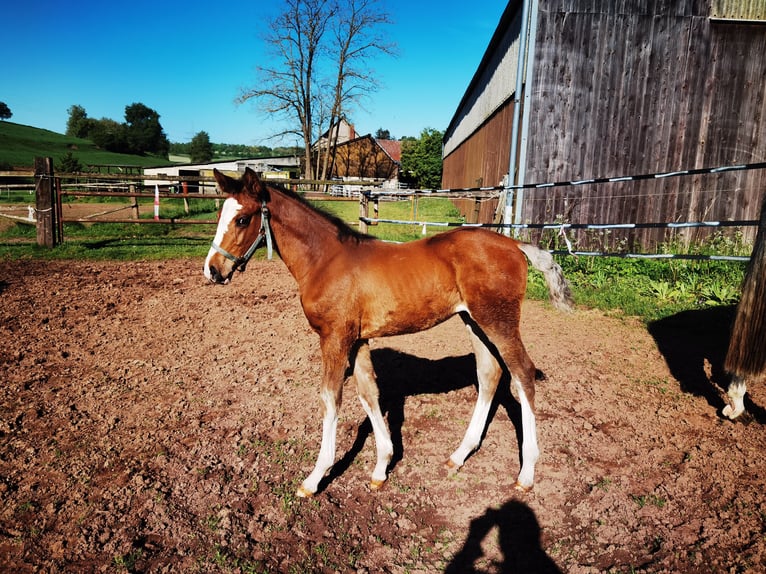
point(522, 488)
point(303, 493)
point(376, 485)
point(451, 464)
point(731, 412)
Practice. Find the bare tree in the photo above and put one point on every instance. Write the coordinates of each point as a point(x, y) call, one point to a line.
point(320, 70)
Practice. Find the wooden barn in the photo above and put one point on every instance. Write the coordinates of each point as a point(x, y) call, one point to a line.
point(367, 157)
point(570, 90)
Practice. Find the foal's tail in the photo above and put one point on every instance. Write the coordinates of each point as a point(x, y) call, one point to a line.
point(558, 287)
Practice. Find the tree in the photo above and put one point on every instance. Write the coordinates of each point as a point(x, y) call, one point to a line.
point(70, 164)
point(5, 111)
point(201, 150)
point(144, 132)
point(109, 135)
point(422, 159)
point(382, 134)
point(318, 71)
point(78, 125)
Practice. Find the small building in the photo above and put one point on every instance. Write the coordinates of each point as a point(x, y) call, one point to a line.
point(279, 167)
point(587, 89)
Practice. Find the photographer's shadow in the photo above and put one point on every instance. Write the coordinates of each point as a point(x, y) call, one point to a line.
point(518, 535)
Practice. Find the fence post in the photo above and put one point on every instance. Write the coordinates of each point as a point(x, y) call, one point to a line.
point(45, 205)
point(185, 187)
point(134, 199)
point(364, 211)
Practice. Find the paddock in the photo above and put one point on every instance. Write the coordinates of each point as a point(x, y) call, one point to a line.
point(135, 439)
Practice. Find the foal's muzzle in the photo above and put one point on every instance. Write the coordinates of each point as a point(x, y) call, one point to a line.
point(217, 277)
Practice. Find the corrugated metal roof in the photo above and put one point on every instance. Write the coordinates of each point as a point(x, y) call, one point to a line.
point(492, 84)
point(739, 9)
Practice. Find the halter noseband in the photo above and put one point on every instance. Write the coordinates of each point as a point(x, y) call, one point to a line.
point(264, 232)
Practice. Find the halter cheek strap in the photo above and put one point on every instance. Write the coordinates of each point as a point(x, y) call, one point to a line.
point(264, 233)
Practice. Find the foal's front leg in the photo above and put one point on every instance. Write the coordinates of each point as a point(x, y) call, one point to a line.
point(334, 361)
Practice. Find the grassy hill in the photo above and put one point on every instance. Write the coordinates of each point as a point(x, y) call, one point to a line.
point(19, 145)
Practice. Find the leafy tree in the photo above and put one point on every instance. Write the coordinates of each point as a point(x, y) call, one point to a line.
point(5, 111)
point(422, 159)
point(201, 150)
point(319, 70)
point(144, 132)
point(382, 134)
point(109, 135)
point(78, 125)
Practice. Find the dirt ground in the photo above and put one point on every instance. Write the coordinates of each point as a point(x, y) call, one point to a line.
point(150, 422)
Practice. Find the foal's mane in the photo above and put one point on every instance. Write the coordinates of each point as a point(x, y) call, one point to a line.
point(345, 232)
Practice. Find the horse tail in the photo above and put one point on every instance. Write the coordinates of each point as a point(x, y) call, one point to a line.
point(746, 355)
point(558, 286)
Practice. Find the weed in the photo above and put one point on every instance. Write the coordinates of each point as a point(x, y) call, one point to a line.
point(602, 484)
point(128, 561)
point(212, 522)
point(652, 499)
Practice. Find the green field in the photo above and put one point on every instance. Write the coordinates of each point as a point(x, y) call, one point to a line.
point(19, 145)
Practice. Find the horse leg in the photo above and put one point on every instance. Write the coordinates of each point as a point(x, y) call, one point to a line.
point(334, 361)
point(367, 388)
point(736, 392)
point(506, 339)
point(530, 451)
point(488, 372)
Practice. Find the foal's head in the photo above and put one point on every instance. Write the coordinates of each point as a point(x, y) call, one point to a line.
point(241, 225)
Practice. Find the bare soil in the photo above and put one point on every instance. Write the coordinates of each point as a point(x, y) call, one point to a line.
point(150, 422)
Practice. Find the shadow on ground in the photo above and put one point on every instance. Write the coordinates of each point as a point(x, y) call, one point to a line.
point(694, 344)
point(518, 535)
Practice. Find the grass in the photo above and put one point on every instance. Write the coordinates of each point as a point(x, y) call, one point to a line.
point(650, 289)
point(20, 144)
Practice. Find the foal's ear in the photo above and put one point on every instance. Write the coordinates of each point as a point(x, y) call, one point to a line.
point(253, 184)
point(227, 185)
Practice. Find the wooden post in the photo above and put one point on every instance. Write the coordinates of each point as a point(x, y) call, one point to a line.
point(134, 199)
point(45, 205)
point(363, 212)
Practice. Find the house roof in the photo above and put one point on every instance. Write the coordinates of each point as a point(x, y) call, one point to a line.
point(393, 148)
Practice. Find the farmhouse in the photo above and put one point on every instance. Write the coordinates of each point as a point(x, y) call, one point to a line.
point(569, 90)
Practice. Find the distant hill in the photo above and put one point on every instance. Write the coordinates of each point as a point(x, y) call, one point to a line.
point(19, 145)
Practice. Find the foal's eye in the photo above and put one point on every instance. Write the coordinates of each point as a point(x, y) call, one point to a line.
point(244, 221)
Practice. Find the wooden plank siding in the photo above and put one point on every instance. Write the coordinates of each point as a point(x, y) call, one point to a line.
point(620, 92)
point(633, 87)
point(483, 159)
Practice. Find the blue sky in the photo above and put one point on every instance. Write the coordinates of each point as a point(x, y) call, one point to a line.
point(189, 60)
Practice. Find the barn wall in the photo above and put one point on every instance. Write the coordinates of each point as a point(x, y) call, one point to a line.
point(482, 160)
point(633, 87)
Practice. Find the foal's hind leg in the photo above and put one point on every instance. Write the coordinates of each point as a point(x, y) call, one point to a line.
point(507, 341)
point(367, 387)
point(488, 371)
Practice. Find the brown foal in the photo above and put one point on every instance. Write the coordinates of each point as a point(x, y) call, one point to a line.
point(354, 287)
